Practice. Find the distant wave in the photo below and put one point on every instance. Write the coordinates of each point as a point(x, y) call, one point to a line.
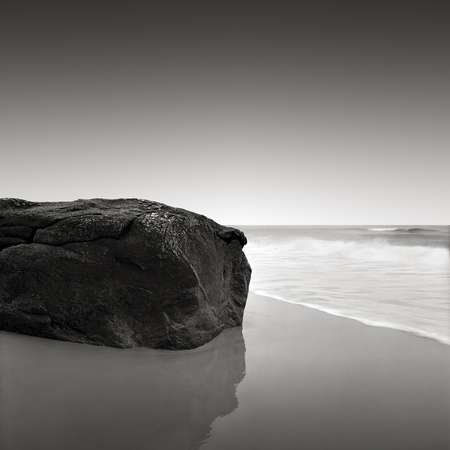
point(400, 229)
point(374, 323)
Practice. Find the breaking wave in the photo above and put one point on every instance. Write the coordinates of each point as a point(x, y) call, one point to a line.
point(379, 283)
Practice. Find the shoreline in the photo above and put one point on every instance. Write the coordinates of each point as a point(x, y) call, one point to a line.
point(367, 322)
point(318, 381)
point(290, 378)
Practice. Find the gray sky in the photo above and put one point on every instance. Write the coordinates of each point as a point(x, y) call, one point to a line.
point(250, 114)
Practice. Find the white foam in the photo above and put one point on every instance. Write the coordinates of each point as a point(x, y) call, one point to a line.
point(375, 250)
point(373, 281)
point(373, 323)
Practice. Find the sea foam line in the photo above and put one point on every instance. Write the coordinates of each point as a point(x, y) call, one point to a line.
point(373, 323)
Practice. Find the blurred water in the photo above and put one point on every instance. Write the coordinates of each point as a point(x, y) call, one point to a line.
point(395, 277)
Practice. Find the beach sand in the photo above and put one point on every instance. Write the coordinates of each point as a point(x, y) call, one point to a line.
point(293, 378)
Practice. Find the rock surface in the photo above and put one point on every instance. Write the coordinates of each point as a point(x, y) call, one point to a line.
point(122, 273)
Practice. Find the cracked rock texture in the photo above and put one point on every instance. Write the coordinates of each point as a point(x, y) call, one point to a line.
point(121, 273)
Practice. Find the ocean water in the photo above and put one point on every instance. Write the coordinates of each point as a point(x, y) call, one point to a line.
point(387, 276)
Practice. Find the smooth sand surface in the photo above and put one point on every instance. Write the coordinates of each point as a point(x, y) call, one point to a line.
point(316, 381)
point(294, 379)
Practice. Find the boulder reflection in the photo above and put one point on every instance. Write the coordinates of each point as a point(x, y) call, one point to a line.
point(62, 395)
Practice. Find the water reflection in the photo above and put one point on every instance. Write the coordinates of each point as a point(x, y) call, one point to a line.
point(58, 395)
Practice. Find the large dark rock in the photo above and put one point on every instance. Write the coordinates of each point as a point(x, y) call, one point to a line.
point(119, 272)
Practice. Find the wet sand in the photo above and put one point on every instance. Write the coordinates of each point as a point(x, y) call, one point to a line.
point(294, 378)
point(316, 381)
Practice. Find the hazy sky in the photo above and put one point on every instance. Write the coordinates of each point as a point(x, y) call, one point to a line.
point(256, 113)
